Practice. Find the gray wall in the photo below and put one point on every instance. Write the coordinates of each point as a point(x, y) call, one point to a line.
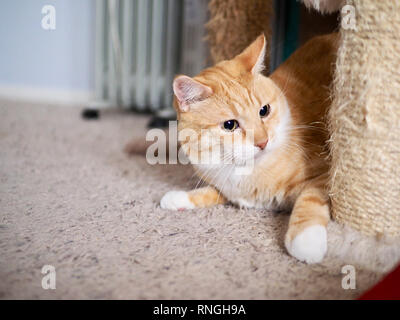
point(61, 59)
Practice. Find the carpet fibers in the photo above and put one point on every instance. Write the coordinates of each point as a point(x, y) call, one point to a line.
point(71, 198)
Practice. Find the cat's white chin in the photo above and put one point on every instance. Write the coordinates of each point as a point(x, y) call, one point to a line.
point(176, 200)
point(261, 155)
point(310, 245)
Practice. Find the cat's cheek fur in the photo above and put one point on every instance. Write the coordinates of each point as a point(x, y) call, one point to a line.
point(282, 129)
point(176, 200)
point(310, 245)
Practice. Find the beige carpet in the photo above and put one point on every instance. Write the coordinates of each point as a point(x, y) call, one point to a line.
point(69, 197)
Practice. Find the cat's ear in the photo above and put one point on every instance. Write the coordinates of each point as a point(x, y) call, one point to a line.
point(252, 58)
point(188, 91)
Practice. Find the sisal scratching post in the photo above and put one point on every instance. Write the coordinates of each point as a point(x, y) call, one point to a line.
point(234, 24)
point(365, 121)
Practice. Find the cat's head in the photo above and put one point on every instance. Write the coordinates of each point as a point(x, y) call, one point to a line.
point(231, 112)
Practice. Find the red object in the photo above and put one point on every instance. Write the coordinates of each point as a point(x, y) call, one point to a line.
point(386, 289)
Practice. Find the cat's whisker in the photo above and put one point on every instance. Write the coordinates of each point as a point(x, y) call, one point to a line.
point(217, 176)
point(294, 145)
point(204, 177)
point(221, 190)
point(306, 127)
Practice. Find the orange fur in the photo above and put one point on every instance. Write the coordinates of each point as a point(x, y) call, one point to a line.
point(292, 170)
point(205, 197)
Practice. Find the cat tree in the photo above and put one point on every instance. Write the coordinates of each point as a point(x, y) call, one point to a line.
point(234, 24)
point(365, 121)
point(365, 114)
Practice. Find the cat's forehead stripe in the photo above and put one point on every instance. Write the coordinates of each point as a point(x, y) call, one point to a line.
point(236, 91)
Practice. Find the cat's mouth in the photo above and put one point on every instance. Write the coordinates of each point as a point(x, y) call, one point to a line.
point(255, 156)
point(260, 153)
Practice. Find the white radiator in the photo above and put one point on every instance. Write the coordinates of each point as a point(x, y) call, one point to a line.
point(141, 45)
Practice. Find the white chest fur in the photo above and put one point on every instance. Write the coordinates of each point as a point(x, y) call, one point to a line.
point(238, 188)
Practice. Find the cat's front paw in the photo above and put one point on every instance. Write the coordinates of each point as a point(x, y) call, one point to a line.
point(176, 200)
point(310, 245)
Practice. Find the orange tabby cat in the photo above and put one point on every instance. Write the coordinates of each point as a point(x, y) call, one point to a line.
point(285, 115)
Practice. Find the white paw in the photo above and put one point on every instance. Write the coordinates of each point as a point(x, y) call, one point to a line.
point(176, 200)
point(310, 245)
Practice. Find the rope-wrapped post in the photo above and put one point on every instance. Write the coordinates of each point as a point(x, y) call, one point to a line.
point(365, 121)
point(234, 24)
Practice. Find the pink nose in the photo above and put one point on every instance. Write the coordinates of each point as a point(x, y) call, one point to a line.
point(262, 144)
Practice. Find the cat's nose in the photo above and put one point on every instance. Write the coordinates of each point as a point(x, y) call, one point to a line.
point(262, 145)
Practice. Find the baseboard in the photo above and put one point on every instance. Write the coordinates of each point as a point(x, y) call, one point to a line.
point(46, 95)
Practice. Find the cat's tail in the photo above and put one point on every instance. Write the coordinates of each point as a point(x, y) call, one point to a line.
point(139, 145)
point(136, 146)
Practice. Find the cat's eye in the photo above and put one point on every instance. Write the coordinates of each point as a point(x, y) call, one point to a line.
point(230, 125)
point(265, 110)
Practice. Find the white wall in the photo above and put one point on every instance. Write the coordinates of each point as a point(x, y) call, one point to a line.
point(47, 63)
